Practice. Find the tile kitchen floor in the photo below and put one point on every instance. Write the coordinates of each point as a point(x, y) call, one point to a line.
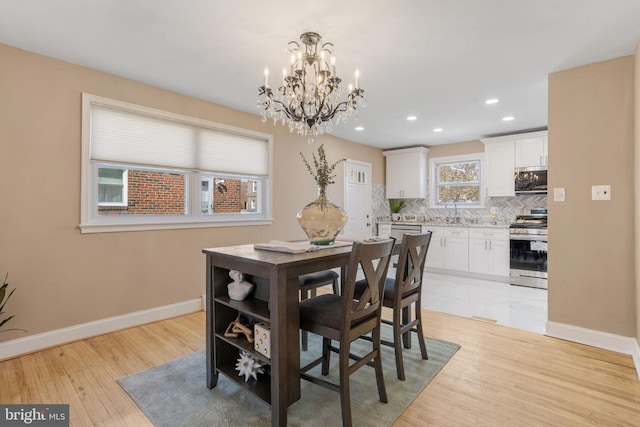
point(515, 306)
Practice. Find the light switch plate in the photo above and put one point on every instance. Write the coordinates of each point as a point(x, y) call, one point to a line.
point(558, 194)
point(601, 192)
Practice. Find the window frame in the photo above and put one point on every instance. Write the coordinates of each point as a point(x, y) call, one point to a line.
point(91, 222)
point(434, 162)
point(124, 192)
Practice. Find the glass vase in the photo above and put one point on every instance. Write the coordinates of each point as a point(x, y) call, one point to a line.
point(322, 220)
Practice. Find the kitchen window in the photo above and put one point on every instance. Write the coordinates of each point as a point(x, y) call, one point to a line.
point(145, 169)
point(456, 181)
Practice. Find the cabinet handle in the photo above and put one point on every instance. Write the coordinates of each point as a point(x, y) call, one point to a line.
point(490, 248)
point(445, 241)
point(485, 245)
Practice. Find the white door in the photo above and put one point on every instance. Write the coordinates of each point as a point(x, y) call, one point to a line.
point(357, 198)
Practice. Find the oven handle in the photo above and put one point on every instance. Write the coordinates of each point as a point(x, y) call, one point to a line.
point(530, 237)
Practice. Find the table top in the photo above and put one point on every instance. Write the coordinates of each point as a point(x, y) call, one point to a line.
point(274, 258)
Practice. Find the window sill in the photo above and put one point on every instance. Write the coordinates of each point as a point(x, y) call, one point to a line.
point(115, 228)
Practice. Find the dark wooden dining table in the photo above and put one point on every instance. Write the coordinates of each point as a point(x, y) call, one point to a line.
point(275, 300)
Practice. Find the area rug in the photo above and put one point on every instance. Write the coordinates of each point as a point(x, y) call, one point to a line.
point(175, 394)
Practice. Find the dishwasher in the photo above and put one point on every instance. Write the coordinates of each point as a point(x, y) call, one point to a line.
point(398, 230)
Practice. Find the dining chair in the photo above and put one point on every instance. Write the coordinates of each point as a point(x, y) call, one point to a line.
point(401, 293)
point(308, 284)
point(343, 319)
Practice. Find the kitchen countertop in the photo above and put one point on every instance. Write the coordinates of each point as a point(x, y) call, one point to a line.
point(496, 224)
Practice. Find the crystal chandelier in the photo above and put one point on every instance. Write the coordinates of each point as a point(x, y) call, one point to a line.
point(309, 98)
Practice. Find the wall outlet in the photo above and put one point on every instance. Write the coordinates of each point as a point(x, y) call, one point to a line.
point(558, 194)
point(600, 192)
point(494, 210)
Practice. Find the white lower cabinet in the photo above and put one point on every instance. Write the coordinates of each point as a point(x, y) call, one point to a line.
point(473, 250)
point(435, 253)
point(489, 251)
point(449, 248)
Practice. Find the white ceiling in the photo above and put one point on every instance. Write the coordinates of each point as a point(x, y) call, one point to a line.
point(436, 59)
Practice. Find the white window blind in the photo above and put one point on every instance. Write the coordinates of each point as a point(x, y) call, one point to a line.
point(175, 155)
point(128, 137)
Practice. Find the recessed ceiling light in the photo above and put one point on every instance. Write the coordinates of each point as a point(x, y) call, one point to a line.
point(411, 118)
point(491, 101)
point(359, 127)
point(508, 118)
point(438, 130)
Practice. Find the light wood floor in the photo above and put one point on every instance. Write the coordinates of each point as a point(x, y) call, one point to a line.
point(500, 377)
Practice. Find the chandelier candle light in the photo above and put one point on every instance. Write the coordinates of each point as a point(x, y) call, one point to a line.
point(309, 98)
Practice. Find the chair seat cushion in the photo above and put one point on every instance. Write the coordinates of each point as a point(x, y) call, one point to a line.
point(324, 311)
point(317, 278)
point(389, 286)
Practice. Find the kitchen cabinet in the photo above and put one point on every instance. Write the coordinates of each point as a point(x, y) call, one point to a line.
point(505, 153)
point(449, 248)
point(489, 251)
point(384, 230)
point(435, 253)
point(406, 173)
point(531, 151)
point(499, 160)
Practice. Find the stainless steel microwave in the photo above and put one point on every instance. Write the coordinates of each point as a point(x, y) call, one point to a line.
point(531, 180)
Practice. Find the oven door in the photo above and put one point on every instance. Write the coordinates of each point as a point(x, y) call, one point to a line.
point(528, 260)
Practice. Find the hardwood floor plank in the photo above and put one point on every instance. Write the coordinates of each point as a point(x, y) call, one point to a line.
point(500, 376)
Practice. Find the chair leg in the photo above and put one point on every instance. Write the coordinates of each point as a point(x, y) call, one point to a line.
point(382, 390)
point(406, 317)
point(326, 355)
point(345, 392)
point(304, 336)
point(423, 346)
point(336, 287)
point(398, 341)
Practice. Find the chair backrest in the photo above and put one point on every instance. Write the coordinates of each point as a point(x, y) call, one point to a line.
point(373, 259)
point(413, 254)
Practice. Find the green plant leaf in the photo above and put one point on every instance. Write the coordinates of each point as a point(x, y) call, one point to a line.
point(6, 320)
point(5, 301)
point(395, 205)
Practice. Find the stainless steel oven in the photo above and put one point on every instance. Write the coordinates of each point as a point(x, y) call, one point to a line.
point(528, 243)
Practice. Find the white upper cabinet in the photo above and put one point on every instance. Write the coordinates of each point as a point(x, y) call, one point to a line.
point(499, 168)
point(505, 153)
point(406, 173)
point(531, 151)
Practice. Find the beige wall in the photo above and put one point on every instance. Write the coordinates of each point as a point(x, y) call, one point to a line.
point(591, 246)
point(65, 278)
point(456, 149)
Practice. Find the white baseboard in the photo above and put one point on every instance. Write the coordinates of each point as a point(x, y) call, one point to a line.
point(44, 340)
point(604, 340)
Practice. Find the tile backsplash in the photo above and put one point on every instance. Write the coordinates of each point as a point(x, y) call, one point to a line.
point(507, 207)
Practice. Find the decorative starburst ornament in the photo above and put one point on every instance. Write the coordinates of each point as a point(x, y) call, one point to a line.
point(248, 366)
